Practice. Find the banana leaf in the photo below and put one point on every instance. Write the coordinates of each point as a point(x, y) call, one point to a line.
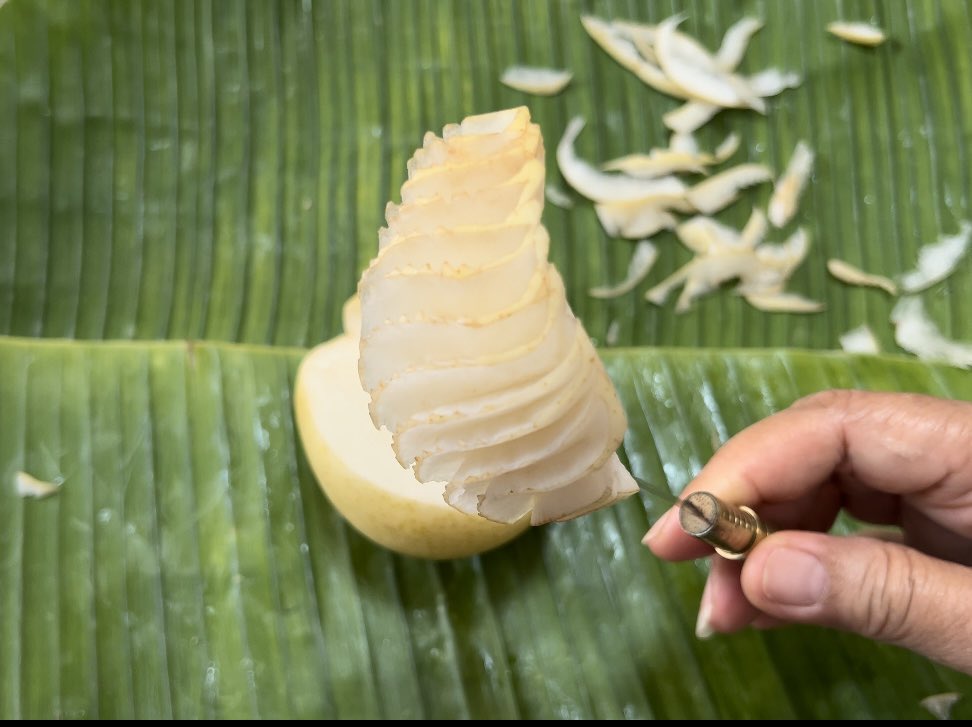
point(188, 192)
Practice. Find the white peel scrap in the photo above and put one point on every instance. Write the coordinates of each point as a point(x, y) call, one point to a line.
point(915, 332)
point(735, 42)
point(786, 193)
point(775, 264)
point(940, 705)
point(633, 30)
point(721, 254)
point(641, 35)
point(613, 333)
point(706, 275)
point(847, 273)
point(642, 260)
point(558, 197)
point(706, 236)
point(694, 113)
point(538, 81)
point(29, 486)
point(860, 340)
point(626, 54)
point(695, 71)
point(728, 147)
point(634, 220)
point(685, 160)
point(755, 230)
point(723, 189)
point(859, 33)
point(783, 303)
point(470, 353)
point(773, 81)
point(601, 187)
point(690, 116)
point(683, 143)
point(657, 163)
point(676, 64)
point(937, 260)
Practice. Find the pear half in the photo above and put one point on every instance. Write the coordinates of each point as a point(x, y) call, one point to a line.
point(356, 467)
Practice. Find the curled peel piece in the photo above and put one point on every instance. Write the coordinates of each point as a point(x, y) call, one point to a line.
point(859, 33)
point(469, 350)
point(540, 81)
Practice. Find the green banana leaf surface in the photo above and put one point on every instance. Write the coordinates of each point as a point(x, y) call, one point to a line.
point(189, 190)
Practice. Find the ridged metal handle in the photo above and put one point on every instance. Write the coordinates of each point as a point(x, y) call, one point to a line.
point(732, 530)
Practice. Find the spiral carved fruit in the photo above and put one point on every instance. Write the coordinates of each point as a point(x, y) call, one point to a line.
point(469, 350)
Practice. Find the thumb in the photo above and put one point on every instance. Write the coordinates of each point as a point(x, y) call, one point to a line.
point(878, 589)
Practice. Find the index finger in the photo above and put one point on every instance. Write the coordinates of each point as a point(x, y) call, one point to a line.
point(899, 444)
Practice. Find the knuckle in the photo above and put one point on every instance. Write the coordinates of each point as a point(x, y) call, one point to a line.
point(956, 431)
point(837, 399)
point(887, 595)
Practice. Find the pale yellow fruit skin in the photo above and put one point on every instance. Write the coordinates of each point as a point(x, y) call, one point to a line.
point(356, 467)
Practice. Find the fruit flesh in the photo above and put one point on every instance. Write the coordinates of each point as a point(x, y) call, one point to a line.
point(356, 468)
point(469, 350)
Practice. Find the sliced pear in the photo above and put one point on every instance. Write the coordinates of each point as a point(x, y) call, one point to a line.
point(492, 122)
point(449, 179)
point(465, 292)
point(355, 466)
point(528, 403)
point(494, 338)
point(480, 464)
point(564, 459)
point(415, 392)
point(602, 487)
point(518, 200)
point(457, 248)
point(480, 134)
point(521, 394)
point(469, 350)
point(503, 432)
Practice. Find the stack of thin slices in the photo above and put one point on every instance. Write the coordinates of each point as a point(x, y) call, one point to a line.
point(639, 195)
point(469, 351)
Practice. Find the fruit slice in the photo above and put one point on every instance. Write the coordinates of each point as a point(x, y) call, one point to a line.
point(469, 349)
point(355, 466)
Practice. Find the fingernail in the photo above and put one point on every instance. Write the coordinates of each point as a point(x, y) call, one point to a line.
point(703, 624)
point(655, 529)
point(794, 577)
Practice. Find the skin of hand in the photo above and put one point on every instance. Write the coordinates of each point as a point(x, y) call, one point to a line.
point(889, 459)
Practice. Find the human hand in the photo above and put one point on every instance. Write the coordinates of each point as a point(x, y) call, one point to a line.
point(891, 459)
